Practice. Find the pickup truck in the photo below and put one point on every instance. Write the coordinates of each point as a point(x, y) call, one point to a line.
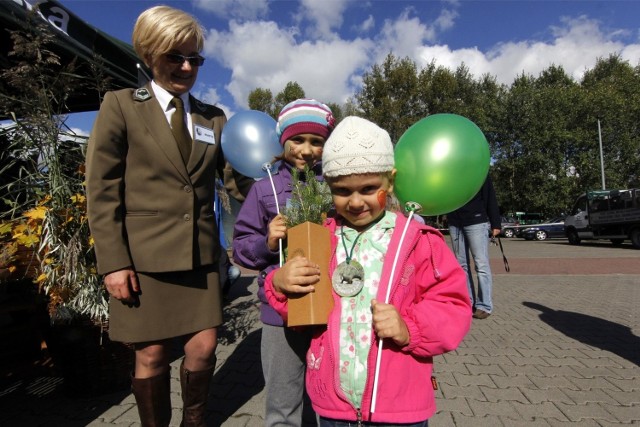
point(605, 214)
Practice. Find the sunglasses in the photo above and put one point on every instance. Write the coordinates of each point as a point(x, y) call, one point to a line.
point(175, 58)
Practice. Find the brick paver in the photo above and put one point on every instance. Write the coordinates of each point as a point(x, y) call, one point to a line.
point(562, 347)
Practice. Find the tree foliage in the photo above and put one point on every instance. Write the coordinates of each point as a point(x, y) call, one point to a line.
point(542, 130)
point(42, 166)
point(263, 100)
point(389, 95)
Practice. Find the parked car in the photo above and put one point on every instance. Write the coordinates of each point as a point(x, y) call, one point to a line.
point(514, 223)
point(549, 229)
point(509, 226)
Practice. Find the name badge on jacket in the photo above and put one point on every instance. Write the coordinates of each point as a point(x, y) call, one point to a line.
point(204, 134)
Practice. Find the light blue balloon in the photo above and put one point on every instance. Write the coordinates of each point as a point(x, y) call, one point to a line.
point(249, 142)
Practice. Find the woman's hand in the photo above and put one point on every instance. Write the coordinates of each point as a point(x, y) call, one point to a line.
point(296, 276)
point(277, 230)
point(388, 323)
point(123, 285)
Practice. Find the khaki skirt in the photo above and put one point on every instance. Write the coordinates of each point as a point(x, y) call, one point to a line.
point(170, 305)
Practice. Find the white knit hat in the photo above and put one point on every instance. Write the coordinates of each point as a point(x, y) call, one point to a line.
point(357, 146)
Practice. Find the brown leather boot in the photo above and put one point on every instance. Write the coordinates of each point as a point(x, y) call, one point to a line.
point(195, 390)
point(153, 399)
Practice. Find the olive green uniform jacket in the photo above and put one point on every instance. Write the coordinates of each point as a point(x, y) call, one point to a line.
point(147, 209)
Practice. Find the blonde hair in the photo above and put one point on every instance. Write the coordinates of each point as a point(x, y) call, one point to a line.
point(161, 28)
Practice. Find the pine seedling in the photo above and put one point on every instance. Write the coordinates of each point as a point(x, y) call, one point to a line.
point(310, 199)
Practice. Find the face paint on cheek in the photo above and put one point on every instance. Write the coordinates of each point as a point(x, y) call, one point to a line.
point(382, 198)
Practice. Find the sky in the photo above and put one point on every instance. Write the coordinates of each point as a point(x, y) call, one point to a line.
point(327, 45)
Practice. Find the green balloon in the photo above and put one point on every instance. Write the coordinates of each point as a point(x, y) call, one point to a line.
point(441, 162)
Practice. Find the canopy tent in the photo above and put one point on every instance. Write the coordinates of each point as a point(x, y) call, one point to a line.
point(74, 38)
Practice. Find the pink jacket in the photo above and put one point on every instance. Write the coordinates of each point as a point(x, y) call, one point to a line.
point(430, 292)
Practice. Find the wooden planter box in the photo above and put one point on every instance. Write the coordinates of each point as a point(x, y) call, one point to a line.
point(313, 242)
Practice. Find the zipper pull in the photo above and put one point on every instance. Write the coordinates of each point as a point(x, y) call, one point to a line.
point(359, 418)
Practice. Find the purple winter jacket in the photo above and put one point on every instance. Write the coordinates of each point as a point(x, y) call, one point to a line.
point(250, 248)
point(429, 289)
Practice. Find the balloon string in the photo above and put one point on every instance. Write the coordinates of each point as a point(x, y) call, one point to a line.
point(275, 197)
point(386, 301)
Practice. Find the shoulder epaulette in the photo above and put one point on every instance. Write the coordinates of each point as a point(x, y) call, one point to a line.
point(141, 94)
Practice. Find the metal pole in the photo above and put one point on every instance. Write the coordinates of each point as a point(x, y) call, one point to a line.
point(601, 157)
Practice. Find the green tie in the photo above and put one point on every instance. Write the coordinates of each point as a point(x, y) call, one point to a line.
point(180, 130)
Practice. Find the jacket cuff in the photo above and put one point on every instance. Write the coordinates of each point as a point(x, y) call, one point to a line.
point(414, 335)
point(276, 299)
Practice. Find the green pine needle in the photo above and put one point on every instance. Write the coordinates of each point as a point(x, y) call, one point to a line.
point(310, 200)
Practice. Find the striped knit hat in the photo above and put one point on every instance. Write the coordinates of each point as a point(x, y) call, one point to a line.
point(304, 116)
point(357, 146)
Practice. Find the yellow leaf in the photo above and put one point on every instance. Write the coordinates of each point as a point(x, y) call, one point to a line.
point(5, 227)
point(20, 229)
point(78, 198)
point(28, 240)
point(12, 268)
point(36, 213)
point(41, 278)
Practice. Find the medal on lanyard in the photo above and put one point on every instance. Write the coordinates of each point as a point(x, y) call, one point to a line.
point(348, 278)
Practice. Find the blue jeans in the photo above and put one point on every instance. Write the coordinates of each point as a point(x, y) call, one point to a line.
point(474, 238)
point(327, 422)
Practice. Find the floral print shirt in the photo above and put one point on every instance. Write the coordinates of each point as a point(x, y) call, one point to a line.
point(356, 331)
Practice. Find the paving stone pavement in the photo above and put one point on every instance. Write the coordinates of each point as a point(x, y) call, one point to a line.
point(559, 349)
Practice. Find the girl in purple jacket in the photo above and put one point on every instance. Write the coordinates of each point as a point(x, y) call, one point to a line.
point(400, 296)
point(303, 127)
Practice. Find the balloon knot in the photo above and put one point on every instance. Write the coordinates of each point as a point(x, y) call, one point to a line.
point(414, 207)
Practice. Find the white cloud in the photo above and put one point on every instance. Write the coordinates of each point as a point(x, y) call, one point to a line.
point(632, 54)
point(366, 25)
point(210, 95)
point(261, 54)
point(446, 19)
point(80, 132)
point(329, 66)
point(325, 16)
point(402, 36)
point(444, 56)
point(234, 9)
point(575, 45)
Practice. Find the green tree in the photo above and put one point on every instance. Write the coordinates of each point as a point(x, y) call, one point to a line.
point(350, 108)
point(291, 92)
point(612, 92)
point(534, 143)
point(336, 109)
point(542, 130)
point(389, 96)
point(261, 100)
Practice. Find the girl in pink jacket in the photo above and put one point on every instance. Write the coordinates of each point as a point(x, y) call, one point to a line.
point(428, 311)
